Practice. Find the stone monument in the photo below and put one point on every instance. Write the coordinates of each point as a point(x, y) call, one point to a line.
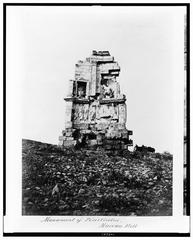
point(95, 108)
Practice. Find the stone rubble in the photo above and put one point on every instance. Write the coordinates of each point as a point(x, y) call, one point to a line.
point(68, 181)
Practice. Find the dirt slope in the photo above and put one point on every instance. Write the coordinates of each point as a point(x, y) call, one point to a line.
point(88, 182)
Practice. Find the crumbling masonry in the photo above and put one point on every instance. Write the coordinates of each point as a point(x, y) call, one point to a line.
point(95, 108)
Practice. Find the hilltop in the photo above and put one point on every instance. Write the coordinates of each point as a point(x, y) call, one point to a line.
point(59, 181)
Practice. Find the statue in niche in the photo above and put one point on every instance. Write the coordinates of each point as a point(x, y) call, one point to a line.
point(107, 91)
point(81, 89)
point(81, 92)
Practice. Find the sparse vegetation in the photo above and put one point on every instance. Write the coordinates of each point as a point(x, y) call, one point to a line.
point(88, 182)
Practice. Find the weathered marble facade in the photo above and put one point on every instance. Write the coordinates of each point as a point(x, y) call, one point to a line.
point(95, 108)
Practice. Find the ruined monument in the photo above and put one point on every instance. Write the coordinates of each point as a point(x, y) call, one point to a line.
point(95, 108)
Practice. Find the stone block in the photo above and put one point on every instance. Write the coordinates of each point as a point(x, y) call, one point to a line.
point(85, 131)
point(118, 134)
point(80, 125)
point(108, 141)
point(122, 113)
point(70, 89)
point(92, 142)
point(68, 134)
point(115, 73)
point(63, 132)
point(68, 124)
point(124, 134)
point(121, 126)
point(92, 127)
point(101, 126)
point(69, 130)
point(61, 138)
point(69, 143)
point(69, 138)
point(130, 132)
point(112, 134)
point(101, 59)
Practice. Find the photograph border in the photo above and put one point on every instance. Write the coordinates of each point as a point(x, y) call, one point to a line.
point(96, 234)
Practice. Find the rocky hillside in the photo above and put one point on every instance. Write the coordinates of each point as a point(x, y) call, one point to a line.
point(94, 182)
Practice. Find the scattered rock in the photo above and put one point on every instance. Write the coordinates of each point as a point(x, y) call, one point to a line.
point(86, 182)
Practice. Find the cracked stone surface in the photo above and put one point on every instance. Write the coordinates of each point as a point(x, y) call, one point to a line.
point(95, 107)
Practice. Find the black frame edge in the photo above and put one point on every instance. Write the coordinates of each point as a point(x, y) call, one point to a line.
point(97, 4)
point(188, 110)
point(4, 109)
point(95, 234)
